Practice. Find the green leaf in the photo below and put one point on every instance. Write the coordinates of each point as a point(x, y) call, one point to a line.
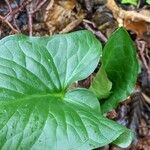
point(148, 2)
point(50, 122)
point(133, 2)
point(121, 65)
point(64, 58)
point(75, 55)
point(36, 112)
point(124, 139)
point(101, 85)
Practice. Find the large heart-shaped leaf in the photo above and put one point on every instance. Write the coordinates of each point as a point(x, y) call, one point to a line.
point(121, 65)
point(36, 112)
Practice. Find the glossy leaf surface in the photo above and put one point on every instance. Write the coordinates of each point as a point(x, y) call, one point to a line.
point(121, 65)
point(36, 112)
point(101, 85)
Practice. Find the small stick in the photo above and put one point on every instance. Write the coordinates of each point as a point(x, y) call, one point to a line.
point(7, 2)
point(90, 22)
point(18, 9)
point(39, 6)
point(9, 24)
point(30, 14)
point(30, 22)
point(142, 46)
point(14, 18)
point(96, 32)
point(71, 25)
point(146, 98)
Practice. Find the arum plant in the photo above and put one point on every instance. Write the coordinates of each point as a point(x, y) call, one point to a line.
point(37, 111)
point(117, 76)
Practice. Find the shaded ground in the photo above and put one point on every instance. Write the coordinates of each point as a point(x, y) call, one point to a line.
point(102, 17)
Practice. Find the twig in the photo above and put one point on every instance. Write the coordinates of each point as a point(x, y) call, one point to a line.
point(142, 47)
point(147, 99)
point(9, 24)
point(71, 25)
point(31, 11)
point(96, 32)
point(7, 2)
point(90, 22)
point(30, 22)
point(18, 9)
point(40, 5)
point(13, 18)
point(12, 14)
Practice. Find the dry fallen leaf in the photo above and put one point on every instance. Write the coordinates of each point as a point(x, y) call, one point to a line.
point(138, 27)
point(60, 15)
point(120, 14)
point(135, 21)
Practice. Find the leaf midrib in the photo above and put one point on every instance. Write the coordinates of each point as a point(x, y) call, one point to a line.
point(59, 95)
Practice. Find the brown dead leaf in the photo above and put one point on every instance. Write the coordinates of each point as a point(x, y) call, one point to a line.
point(138, 27)
point(135, 21)
point(62, 13)
point(120, 14)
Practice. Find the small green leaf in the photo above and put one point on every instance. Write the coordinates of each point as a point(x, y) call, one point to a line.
point(36, 112)
point(101, 85)
point(148, 2)
point(133, 2)
point(121, 65)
